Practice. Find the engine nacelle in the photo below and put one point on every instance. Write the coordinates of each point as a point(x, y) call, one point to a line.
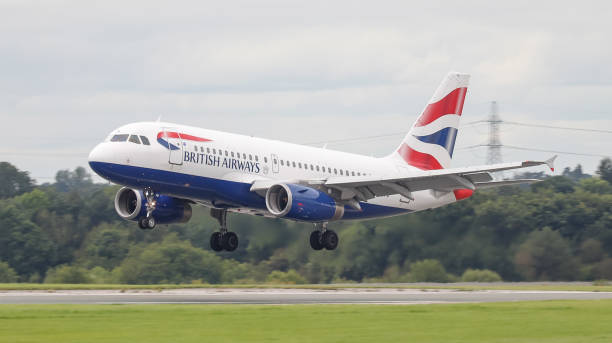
point(130, 204)
point(302, 203)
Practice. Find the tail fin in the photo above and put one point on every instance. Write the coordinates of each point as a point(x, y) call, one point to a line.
point(430, 142)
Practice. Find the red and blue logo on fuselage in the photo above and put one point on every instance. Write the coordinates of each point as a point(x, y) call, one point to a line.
point(177, 135)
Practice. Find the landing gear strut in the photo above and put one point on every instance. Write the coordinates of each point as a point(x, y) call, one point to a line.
point(222, 239)
point(148, 222)
point(321, 237)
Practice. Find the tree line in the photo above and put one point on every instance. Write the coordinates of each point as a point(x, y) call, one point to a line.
point(68, 232)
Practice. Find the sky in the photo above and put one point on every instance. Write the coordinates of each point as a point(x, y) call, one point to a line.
point(305, 72)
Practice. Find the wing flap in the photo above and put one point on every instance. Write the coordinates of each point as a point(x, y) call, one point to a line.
point(479, 177)
point(485, 185)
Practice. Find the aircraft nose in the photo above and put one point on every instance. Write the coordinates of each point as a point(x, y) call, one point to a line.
point(99, 157)
point(97, 154)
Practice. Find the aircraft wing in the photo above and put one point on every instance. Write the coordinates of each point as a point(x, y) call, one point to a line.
point(439, 180)
point(353, 189)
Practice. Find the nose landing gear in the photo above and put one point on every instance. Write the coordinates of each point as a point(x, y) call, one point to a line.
point(321, 238)
point(222, 239)
point(148, 222)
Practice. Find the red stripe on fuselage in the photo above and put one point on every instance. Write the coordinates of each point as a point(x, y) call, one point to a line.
point(452, 103)
point(418, 159)
point(182, 136)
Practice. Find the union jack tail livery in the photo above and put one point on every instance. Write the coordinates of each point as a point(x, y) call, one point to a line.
point(430, 142)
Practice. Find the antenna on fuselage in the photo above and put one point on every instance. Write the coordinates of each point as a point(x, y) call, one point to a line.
point(159, 118)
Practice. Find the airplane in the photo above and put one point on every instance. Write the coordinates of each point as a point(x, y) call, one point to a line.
point(166, 168)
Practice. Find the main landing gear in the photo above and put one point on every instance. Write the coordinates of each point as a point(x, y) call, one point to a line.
point(321, 238)
point(148, 222)
point(222, 239)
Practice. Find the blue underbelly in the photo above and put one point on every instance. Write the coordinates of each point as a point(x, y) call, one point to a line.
point(221, 193)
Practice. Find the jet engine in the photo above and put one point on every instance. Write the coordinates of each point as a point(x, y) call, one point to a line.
point(130, 204)
point(302, 203)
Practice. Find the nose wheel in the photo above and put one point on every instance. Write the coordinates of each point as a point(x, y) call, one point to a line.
point(321, 238)
point(147, 223)
point(222, 239)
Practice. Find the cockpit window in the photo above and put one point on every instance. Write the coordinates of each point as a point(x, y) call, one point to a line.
point(145, 140)
point(119, 138)
point(134, 139)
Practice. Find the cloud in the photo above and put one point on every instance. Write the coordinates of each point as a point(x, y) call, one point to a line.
point(299, 71)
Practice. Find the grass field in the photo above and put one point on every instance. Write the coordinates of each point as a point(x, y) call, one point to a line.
point(551, 321)
point(524, 286)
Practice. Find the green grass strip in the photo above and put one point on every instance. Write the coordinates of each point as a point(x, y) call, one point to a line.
point(548, 321)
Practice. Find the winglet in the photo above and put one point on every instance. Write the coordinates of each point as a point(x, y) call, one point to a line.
point(551, 163)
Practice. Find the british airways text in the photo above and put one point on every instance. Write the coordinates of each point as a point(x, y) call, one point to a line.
point(223, 162)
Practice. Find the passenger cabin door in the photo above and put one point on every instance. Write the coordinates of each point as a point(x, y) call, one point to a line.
point(174, 145)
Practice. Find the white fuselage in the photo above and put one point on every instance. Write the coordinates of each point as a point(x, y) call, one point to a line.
point(216, 169)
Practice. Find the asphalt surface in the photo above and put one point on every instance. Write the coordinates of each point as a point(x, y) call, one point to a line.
point(287, 296)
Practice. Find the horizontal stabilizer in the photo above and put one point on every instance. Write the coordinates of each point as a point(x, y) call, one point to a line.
point(551, 163)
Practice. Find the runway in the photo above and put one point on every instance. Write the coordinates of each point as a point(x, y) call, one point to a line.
point(288, 296)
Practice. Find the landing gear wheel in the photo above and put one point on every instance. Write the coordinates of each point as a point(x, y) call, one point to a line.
point(142, 223)
point(215, 241)
point(315, 240)
point(147, 223)
point(230, 241)
point(329, 239)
